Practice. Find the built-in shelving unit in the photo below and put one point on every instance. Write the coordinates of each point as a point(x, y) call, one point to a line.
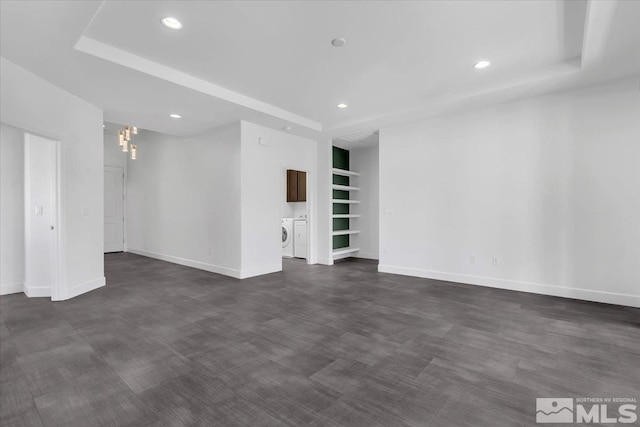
point(345, 232)
point(344, 251)
point(345, 201)
point(345, 187)
point(343, 172)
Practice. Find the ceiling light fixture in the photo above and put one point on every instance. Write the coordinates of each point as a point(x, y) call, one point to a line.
point(338, 42)
point(124, 137)
point(286, 128)
point(171, 23)
point(481, 64)
point(342, 105)
point(175, 116)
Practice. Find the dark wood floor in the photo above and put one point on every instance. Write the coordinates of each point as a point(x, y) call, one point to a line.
point(164, 344)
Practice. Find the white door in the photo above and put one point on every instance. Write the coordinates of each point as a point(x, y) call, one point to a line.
point(40, 188)
point(113, 209)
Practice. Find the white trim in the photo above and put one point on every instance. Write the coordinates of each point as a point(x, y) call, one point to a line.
point(325, 261)
point(11, 288)
point(37, 291)
point(366, 255)
point(188, 263)
point(516, 285)
point(83, 288)
point(259, 271)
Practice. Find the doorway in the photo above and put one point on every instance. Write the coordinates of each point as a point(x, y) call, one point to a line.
point(295, 213)
point(41, 196)
point(113, 209)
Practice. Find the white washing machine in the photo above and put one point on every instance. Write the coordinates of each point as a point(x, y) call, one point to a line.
point(287, 237)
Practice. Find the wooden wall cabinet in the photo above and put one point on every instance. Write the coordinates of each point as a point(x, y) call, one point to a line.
point(296, 186)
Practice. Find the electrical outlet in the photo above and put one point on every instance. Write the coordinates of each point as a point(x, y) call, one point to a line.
point(472, 259)
point(494, 261)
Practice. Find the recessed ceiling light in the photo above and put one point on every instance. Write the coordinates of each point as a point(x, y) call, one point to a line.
point(342, 105)
point(481, 64)
point(286, 128)
point(104, 126)
point(338, 42)
point(171, 23)
point(175, 116)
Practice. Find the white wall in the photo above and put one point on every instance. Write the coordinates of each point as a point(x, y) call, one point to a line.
point(11, 209)
point(366, 162)
point(262, 192)
point(324, 206)
point(183, 199)
point(548, 186)
point(32, 104)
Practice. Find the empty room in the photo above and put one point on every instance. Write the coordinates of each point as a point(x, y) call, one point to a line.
point(319, 213)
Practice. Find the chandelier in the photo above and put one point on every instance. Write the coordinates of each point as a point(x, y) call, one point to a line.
point(124, 140)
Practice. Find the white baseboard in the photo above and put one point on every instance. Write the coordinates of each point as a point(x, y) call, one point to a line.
point(515, 285)
point(35, 291)
point(83, 288)
point(259, 271)
point(11, 288)
point(325, 261)
point(366, 255)
point(189, 263)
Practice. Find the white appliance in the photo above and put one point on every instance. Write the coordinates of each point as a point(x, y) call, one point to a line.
point(300, 238)
point(287, 237)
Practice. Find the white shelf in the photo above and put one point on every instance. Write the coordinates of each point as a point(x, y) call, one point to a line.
point(344, 251)
point(345, 201)
point(344, 172)
point(346, 216)
point(344, 187)
point(345, 232)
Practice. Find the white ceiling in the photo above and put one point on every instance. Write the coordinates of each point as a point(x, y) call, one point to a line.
point(271, 62)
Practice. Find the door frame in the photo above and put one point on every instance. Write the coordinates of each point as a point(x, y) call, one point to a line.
point(124, 203)
point(311, 255)
point(57, 251)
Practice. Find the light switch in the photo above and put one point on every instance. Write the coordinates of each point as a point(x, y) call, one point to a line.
point(263, 141)
point(38, 210)
point(387, 212)
point(85, 211)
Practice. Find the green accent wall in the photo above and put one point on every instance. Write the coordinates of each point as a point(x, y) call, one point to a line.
point(340, 161)
point(340, 179)
point(340, 158)
point(340, 241)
